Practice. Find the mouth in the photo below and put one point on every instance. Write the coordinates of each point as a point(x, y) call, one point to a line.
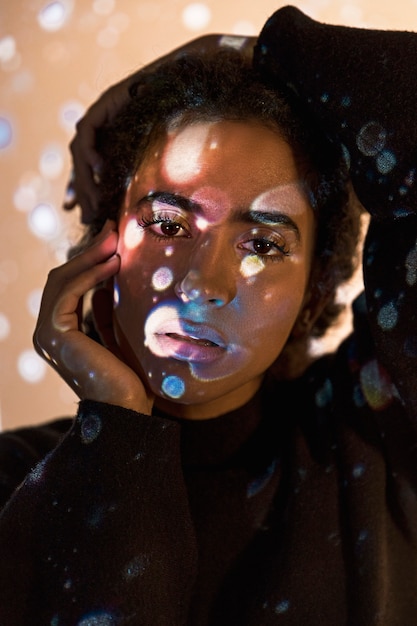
point(202, 345)
point(193, 340)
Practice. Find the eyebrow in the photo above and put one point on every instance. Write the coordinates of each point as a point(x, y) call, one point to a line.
point(269, 218)
point(248, 216)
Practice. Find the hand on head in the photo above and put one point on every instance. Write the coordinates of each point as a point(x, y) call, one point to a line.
point(92, 370)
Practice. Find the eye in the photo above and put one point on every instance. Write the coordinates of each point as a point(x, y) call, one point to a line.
point(271, 246)
point(163, 220)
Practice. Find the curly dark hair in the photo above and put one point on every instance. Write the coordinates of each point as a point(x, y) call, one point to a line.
point(223, 85)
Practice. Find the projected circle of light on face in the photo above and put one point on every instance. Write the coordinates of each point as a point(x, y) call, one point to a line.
point(173, 387)
point(183, 157)
point(162, 279)
point(251, 266)
point(166, 319)
point(133, 235)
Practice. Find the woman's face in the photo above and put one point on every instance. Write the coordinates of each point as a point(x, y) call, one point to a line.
point(216, 241)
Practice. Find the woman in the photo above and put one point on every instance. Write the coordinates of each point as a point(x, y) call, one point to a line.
point(186, 491)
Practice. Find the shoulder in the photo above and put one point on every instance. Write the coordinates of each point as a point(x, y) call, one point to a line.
point(22, 448)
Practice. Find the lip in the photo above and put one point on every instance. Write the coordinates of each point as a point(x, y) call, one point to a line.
point(186, 341)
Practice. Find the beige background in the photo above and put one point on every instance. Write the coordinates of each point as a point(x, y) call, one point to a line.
point(56, 57)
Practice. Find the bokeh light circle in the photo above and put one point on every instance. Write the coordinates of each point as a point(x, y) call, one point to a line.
point(31, 367)
point(196, 16)
point(44, 221)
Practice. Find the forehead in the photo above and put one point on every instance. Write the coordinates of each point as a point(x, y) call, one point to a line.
point(223, 150)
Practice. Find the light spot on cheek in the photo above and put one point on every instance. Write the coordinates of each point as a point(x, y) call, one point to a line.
point(157, 319)
point(250, 266)
point(133, 235)
point(162, 279)
point(202, 223)
point(173, 386)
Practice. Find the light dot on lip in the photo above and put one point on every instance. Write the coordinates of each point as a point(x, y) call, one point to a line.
point(196, 16)
point(31, 367)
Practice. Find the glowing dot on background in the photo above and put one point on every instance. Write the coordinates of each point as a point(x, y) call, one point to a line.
point(244, 27)
point(70, 113)
point(119, 21)
point(103, 7)
point(44, 221)
point(54, 15)
point(51, 162)
point(7, 49)
point(108, 37)
point(9, 272)
point(6, 133)
point(34, 302)
point(31, 367)
point(196, 16)
point(4, 326)
point(148, 11)
point(24, 198)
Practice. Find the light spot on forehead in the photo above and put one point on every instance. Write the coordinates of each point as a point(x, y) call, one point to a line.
point(182, 160)
point(285, 198)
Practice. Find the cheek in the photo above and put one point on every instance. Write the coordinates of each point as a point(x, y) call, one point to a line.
point(273, 314)
point(141, 284)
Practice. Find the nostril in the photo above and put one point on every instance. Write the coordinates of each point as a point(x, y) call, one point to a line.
point(216, 301)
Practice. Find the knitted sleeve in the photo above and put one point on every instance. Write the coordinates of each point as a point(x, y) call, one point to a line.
point(100, 532)
point(360, 86)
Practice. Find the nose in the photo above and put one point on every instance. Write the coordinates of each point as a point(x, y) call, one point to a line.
point(208, 278)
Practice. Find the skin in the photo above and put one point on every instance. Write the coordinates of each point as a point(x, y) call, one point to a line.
point(82, 187)
point(210, 269)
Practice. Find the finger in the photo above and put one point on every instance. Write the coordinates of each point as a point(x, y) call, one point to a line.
point(102, 307)
point(92, 260)
point(65, 314)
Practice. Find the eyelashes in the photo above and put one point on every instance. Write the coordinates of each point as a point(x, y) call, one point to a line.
point(164, 217)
